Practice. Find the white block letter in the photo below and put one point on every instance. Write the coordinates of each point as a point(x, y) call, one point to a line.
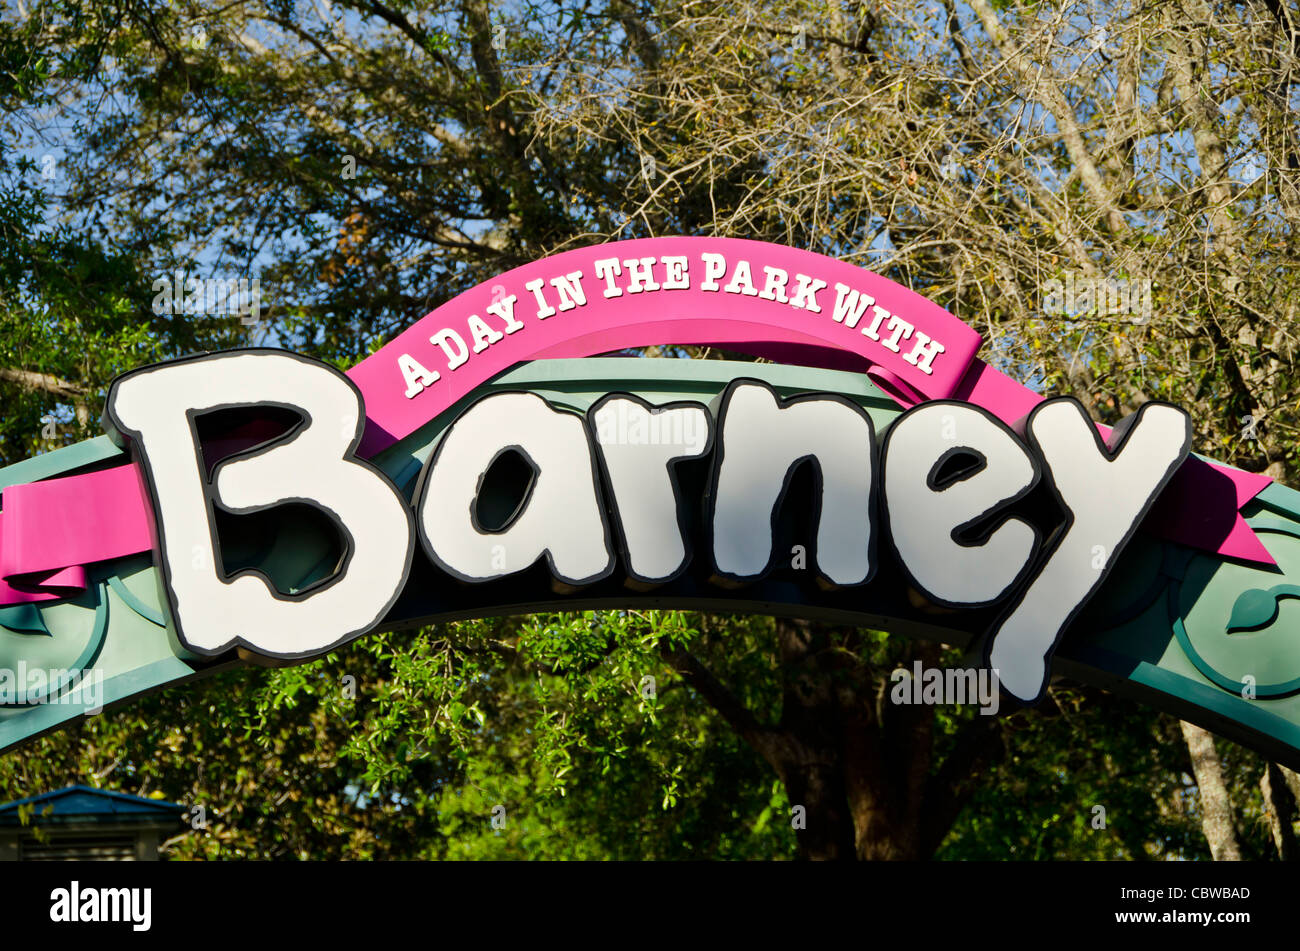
point(647, 501)
point(315, 464)
point(416, 375)
point(761, 442)
point(561, 516)
point(947, 467)
point(1105, 491)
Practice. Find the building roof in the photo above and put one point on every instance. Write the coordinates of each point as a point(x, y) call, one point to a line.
point(83, 804)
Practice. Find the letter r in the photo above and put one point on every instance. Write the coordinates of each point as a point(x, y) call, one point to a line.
point(154, 408)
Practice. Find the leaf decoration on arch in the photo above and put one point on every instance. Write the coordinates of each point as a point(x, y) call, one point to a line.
point(1257, 608)
point(23, 619)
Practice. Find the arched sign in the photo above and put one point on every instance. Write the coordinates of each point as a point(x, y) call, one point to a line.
point(259, 506)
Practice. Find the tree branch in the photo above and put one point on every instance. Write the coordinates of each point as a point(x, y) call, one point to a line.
point(978, 744)
point(29, 379)
point(765, 741)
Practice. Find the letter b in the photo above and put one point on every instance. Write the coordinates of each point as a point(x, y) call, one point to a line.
point(315, 464)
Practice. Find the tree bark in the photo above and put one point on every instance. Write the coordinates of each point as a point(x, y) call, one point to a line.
point(1279, 811)
point(814, 769)
point(42, 381)
point(857, 770)
point(1292, 779)
point(1216, 805)
point(866, 765)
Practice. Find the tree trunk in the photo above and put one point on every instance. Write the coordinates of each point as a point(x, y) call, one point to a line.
point(1216, 806)
point(823, 827)
point(1292, 779)
point(1279, 811)
point(862, 770)
point(857, 770)
point(813, 765)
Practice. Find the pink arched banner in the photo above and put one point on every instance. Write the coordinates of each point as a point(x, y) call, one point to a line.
point(765, 299)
